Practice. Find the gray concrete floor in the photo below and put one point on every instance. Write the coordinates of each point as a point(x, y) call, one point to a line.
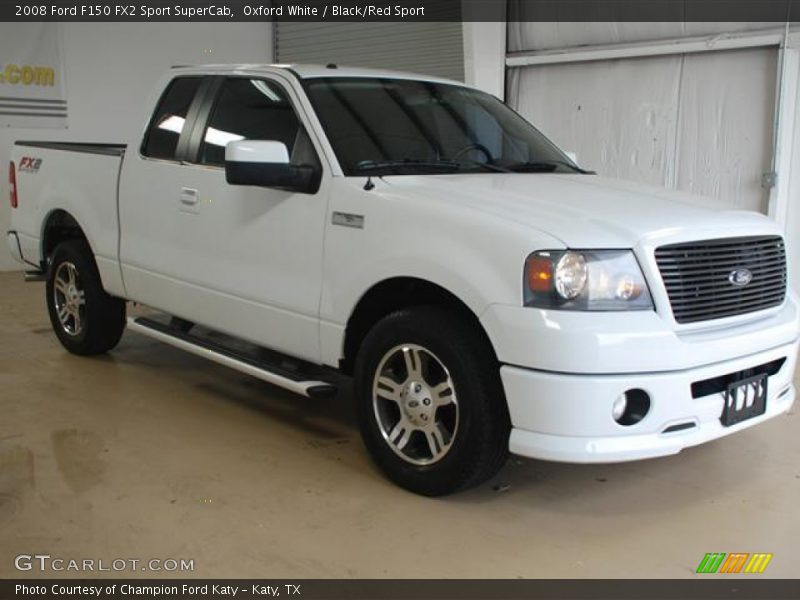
point(153, 453)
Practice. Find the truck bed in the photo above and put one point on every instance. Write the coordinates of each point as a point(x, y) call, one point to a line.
point(77, 178)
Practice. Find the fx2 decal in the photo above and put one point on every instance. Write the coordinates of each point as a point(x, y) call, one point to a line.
point(29, 164)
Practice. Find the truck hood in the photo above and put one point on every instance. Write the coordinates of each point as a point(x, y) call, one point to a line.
point(582, 211)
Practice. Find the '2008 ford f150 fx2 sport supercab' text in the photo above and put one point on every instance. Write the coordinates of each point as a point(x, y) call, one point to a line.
point(305, 224)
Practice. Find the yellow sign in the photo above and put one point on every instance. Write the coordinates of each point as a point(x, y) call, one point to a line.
point(27, 75)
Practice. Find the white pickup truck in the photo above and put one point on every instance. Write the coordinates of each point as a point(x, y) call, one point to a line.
point(487, 295)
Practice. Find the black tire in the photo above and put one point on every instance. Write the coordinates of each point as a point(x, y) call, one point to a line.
point(101, 317)
point(479, 445)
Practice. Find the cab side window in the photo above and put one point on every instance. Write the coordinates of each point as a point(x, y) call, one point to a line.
point(254, 109)
point(169, 120)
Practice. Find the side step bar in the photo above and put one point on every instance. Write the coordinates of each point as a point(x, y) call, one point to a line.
point(31, 276)
point(218, 353)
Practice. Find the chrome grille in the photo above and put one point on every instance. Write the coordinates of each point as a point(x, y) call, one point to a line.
point(699, 276)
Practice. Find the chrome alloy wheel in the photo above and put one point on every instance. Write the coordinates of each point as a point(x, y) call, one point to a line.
point(70, 299)
point(415, 404)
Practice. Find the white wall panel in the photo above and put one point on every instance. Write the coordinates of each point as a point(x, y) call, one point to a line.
point(727, 106)
point(618, 116)
point(110, 70)
point(484, 56)
point(700, 123)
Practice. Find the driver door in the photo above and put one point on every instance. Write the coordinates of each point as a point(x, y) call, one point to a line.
point(244, 260)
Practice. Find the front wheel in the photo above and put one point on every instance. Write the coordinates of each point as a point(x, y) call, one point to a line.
point(431, 406)
point(85, 318)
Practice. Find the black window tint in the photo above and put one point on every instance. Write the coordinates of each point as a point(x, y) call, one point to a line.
point(251, 109)
point(170, 118)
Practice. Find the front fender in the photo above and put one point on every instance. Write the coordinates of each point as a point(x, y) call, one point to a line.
point(476, 257)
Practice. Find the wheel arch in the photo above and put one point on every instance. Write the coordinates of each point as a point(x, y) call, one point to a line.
point(58, 226)
point(396, 293)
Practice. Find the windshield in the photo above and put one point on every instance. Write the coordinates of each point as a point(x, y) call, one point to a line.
point(398, 126)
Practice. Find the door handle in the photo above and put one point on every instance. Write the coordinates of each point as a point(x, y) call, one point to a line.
point(189, 196)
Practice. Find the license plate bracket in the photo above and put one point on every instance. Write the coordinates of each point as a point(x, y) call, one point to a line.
point(744, 399)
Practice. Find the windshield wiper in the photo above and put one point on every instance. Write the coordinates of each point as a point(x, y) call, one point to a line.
point(548, 166)
point(485, 165)
point(376, 165)
point(443, 164)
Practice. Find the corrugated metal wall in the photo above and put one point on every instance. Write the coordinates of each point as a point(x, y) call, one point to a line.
point(430, 48)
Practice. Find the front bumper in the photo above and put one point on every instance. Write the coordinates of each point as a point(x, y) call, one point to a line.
point(565, 417)
point(563, 371)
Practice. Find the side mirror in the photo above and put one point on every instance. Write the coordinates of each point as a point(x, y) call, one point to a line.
point(266, 164)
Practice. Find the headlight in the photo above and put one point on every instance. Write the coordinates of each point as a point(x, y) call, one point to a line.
point(585, 280)
point(570, 275)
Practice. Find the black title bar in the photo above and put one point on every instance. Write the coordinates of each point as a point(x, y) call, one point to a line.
point(777, 11)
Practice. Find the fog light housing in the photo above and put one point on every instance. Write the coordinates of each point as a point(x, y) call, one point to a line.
point(630, 407)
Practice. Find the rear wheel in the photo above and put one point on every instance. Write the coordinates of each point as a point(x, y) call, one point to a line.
point(431, 406)
point(85, 318)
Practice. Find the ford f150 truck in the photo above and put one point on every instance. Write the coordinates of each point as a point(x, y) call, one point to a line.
point(305, 223)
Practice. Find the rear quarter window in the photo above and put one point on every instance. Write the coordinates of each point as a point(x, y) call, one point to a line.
point(169, 119)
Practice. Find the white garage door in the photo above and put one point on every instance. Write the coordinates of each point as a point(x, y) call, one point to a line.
point(701, 123)
point(430, 48)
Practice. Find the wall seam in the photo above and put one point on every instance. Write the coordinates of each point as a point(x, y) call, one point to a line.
point(673, 173)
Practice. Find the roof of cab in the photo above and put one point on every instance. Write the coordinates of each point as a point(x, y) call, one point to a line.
point(308, 71)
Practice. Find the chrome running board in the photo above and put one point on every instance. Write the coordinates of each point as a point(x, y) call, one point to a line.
point(293, 380)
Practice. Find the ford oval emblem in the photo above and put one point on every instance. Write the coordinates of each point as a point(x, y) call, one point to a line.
point(740, 277)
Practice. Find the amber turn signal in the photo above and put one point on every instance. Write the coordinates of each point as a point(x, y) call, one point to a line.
point(540, 274)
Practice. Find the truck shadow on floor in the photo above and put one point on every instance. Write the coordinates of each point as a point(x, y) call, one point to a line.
point(660, 485)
